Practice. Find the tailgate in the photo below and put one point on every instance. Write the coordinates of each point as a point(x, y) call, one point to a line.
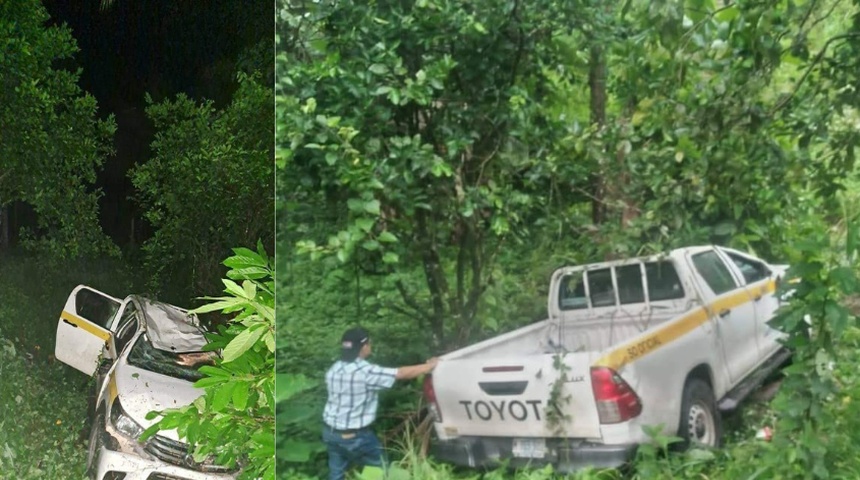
point(508, 397)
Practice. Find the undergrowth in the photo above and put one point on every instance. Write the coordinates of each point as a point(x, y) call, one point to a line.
point(43, 403)
point(744, 457)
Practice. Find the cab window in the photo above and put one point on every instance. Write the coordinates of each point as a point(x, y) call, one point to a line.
point(752, 271)
point(95, 307)
point(600, 287)
point(663, 281)
point(629, 278)
point(714, 271)
point(571, 294)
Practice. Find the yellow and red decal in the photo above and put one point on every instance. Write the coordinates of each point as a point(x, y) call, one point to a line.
point(675, 329)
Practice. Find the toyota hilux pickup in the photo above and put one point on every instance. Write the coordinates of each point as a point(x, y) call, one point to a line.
point(669, 341)
point(144, 356)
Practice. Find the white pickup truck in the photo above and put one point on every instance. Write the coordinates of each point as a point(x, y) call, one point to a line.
point(667, 340)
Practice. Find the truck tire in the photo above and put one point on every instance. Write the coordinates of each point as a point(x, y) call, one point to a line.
point(701, 424)
point(94, 445)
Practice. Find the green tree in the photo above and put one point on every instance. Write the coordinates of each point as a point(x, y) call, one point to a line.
point(424, 123)
point(209, 184)
point(51, 141)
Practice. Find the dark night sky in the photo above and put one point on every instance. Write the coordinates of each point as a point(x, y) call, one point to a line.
point(161, 48)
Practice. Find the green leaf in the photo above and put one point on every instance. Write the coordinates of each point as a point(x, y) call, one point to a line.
point(227, 303)
point(222, 396)
point(365, 224)
point(214, 371)
point(242, 343)
point(382, 90)
point(149, 432)
point(245, 257)
point(250, 289)
point(728, 14)
point(372, 207)
point(233, 288)
point(845, 279)
point(390, 257)
point(387, 237)
point(295, 451)
point(240, 395)
point(269, 340)
point(287, 385)
point(355, 205)
point(207, 382)
point(378, 69)
point(250, 273)
point(372, 473)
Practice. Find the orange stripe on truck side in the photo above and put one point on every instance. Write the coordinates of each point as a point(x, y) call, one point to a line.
point(85, 325)
point(674, 330)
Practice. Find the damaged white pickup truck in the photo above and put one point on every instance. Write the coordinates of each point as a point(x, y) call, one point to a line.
point(144, 356)
point(667, 340)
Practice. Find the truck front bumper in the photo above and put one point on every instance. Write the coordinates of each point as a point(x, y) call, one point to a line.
point(132, 467)
point(566, 455)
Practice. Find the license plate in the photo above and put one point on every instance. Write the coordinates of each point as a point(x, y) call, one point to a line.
point(529, 447)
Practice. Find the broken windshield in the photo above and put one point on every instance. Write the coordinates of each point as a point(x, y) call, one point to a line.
point(184, 365)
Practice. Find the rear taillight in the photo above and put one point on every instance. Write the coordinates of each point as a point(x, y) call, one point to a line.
point(430, 395)
point(616, 401)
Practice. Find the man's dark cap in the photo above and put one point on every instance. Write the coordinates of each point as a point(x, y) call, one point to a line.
point(351, 343)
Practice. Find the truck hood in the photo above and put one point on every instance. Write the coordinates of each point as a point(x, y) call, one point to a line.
point(141, 391)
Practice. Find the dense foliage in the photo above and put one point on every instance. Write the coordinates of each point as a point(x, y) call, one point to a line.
point(439, 159)
point(51, 141)
point(235, 418)
point(209, 184)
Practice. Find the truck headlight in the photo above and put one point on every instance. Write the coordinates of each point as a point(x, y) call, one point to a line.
point(122, 422)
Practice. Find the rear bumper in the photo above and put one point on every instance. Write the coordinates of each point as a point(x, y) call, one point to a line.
point(566, 455)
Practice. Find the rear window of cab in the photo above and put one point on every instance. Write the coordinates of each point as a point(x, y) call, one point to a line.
point(629, 286)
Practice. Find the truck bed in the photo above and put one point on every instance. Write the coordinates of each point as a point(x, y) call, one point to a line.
point(592, 333)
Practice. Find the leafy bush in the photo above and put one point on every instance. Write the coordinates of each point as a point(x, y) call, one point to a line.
point(235, 418)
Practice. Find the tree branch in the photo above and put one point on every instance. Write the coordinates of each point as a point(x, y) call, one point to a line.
point(782, 104)
point(410, 301)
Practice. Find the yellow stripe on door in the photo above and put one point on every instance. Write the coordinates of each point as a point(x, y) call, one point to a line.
point(674, 330)
point(85, 325)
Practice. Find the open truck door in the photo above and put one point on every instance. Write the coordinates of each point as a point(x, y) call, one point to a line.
point(84, 328)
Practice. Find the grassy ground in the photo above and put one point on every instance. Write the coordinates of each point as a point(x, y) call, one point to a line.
point(43, 402)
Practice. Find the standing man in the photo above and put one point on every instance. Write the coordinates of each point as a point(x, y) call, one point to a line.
point(353, 386)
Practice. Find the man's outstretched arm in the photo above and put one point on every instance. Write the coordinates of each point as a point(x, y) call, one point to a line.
point(414, 371)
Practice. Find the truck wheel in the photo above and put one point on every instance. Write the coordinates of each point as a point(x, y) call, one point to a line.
point(94, 445)
point(700, 420)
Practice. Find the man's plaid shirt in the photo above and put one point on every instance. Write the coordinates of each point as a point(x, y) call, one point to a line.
point(353, 393)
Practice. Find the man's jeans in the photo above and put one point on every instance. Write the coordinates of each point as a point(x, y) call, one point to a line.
point(361, 448)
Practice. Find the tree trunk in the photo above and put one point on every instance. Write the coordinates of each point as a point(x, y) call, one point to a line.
point(434, 276)
point(597, 87)
point(4, 227)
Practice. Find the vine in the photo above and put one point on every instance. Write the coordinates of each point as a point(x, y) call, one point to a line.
point(555, 411)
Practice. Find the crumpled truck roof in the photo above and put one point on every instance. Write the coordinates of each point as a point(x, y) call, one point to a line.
point(171, 328)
